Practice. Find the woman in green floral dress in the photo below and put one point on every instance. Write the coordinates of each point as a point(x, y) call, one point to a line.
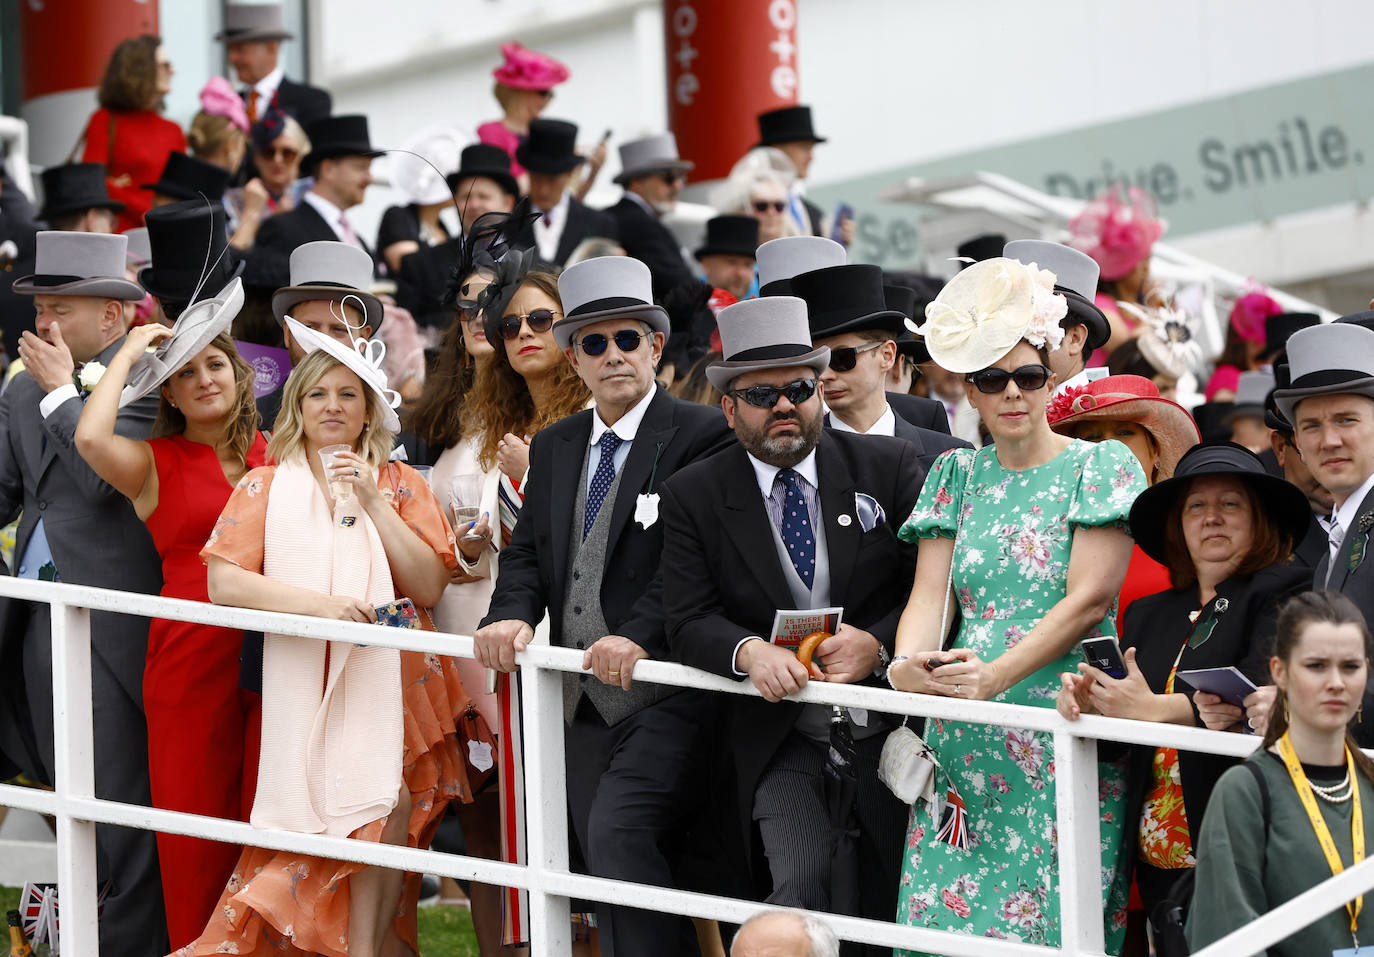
point(1038, 524)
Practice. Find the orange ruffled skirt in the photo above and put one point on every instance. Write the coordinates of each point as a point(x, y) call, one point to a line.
point(280, 903)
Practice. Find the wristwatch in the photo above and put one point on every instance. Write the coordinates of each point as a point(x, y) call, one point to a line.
point(884, 660)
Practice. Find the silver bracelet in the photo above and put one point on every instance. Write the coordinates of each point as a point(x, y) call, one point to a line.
point(890, 664)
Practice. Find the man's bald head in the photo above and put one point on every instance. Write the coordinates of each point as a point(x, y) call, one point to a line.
point(784, 934)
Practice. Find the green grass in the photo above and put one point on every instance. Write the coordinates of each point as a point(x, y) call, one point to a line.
point(444, 931)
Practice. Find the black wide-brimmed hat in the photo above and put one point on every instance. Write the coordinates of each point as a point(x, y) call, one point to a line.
point(1284, 501)
point(483, 159)
point(551, 148)
point(1075, 277)
point(791, 124)
point(334, 136)
point(847, 298)
point(730, 236)
point(185, 177)
point(190, 256)
point(74, 188)
point(902, 299)
point(1279, 328)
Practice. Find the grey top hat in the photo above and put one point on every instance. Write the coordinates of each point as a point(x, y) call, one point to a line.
point(244, 22)
point(1075, 275)
point(607, 287)
point(764, 334)
point(140, 251)
point(1251, 392)
point(329, 270)
point(650, 154)
point(195, 329)
point(1332, 359)
point(781, 259)
point(80, 264)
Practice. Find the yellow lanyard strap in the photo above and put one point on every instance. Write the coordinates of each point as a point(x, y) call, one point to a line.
point(1309, 803)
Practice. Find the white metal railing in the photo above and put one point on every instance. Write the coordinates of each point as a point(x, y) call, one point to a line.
point(546, 875)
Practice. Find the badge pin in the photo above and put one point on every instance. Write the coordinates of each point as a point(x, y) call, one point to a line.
point(844, 521)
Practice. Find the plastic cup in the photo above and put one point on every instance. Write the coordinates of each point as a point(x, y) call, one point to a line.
point(341, 491)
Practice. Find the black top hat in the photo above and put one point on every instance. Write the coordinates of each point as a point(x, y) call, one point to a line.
point(185, 177)
point(984, 246)
point(1213, 420)
point(551, 148)
point(902, 299)
point(730, 236)
point(483, 159)
point(791, 124)
point(334, 136)
point(1284, 501)
point(74, 188)
point(1365, 318)
point(846, 298)
point(189, 240)
point(1280, 326)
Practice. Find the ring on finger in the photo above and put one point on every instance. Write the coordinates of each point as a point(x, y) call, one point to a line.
point(613, 674)
point(958, 689)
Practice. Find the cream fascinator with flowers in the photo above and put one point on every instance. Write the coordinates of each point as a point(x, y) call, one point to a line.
point(984, 311)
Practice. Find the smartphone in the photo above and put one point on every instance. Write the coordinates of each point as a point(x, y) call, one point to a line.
point(398, 614)
point(1104, 654)
point(843, 213)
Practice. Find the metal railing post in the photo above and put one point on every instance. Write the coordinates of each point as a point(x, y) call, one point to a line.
point(1080, 844)
point(546, 807)
point(75, 767)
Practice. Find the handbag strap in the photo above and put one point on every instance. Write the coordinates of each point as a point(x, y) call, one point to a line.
point(958, 527)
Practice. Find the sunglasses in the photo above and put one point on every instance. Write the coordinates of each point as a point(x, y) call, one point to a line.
point(468, 310)
point(672, 176)
point(540, 320)
point(284, 153)
point(626, 340)
point(763, 206)
point(844, 360)
point(767, 396)
point(1027, 378)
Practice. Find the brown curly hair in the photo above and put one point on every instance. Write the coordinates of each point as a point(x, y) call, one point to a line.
point(500, 400)
point(130, 81)
point(437, 416)
point(243, 422)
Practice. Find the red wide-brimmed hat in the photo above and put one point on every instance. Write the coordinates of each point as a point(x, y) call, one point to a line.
point(1129, 398)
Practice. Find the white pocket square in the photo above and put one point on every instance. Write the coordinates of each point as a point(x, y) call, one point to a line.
point(870, 513)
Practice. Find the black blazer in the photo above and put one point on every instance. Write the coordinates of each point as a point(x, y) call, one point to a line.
point(1314, 546)
point(533, 574)
point(728, 582)
point(920, 411)
point(306, 103)
point(816, 215)
point(1157, 625)
point(583, 223)
point(649, 241)
point(422, 279)
point(928, 444)
point(269, 263)
point(1358, 585)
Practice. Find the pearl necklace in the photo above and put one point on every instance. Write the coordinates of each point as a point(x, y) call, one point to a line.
point(1337, 793)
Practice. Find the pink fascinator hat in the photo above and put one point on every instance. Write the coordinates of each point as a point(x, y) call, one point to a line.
point(1249, 313)
point(527, 70)
point(1117, 233)
point(219, 99)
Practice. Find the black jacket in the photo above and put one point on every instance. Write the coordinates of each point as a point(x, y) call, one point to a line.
point(1357, 584)
point(269, 263)
point(920, 411)
point(583, 222)
point(649, 241)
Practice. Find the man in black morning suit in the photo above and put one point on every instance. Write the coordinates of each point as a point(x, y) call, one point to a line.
point(549, 155)
point(653, 175)
point(795, 516)
point(587, 549)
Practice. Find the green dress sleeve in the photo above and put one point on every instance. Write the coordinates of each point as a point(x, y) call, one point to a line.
point(1229, 888)
point(1110, 480)
point(936, 514)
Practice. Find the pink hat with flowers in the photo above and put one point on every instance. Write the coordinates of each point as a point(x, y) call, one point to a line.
point(1117, 233)
point(1250, 312)
point(527, 70)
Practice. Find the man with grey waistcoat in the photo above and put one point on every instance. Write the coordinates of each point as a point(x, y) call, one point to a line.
point(586, 550)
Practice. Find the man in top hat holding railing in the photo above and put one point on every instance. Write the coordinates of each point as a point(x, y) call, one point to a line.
point(653, 174)
point(795, 517)
point(587, 551)
point(77, 529)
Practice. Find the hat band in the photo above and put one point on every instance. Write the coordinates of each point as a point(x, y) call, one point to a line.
point(607, 304)
point(328, 284)
point(1204, 459)
point(786, 350)
point(54, 280)
point(1326, 377)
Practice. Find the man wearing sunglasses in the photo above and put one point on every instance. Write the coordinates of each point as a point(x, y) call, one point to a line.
point(794, 517)
point(652, 175)
point(847, 310)
point(587, 550)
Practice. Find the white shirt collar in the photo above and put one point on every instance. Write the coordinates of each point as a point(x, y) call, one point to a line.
point(768, 474)
point(1346, 513)
point(267, 86)
point(886, 424)
point(1082, 379)
point(627, 426)
point(330, 213)
point(558, 212)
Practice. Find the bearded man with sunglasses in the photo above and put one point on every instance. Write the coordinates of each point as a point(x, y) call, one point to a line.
point(795, 517)
point(587, 550)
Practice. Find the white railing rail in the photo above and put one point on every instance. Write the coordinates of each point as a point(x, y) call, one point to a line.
point(546, 875)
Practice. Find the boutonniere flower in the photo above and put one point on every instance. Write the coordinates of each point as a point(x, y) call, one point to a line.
point(89, 376)
point(1366, 522)
point(1222, 605)
point(9, 252)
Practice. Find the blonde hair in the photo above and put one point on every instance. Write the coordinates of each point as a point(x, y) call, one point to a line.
point(288, 433)
point(210, 132)
point(242, 422)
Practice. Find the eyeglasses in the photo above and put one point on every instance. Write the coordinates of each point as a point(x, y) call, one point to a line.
point(672, 177)
point(540, 320)
point(844, 360)
point(284, 153)
point(767, 396)
point(1027, 378)
point(626, 340)
point(763, 206)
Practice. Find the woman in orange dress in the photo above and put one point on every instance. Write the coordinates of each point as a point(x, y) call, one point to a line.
point(339, 543)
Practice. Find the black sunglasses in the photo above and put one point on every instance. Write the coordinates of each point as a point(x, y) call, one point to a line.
point(763, 206)
point(1027, 378)
point(672, 176)
point(468, 310)
point(539, 320)
point(626, 340)
point(767, 396)
point(844, 360)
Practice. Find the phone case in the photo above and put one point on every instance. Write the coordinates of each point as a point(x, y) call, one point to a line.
point(398, 614)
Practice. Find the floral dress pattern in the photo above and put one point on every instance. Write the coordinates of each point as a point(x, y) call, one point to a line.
point(1011, 563)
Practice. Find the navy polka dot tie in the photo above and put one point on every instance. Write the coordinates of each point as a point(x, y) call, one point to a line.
point(797, 534)
point(602, 479)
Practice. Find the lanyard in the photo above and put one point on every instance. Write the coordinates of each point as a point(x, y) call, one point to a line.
point(1309, 804)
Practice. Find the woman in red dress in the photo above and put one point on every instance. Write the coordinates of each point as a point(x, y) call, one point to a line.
point(128, 133)
point(179, 482)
